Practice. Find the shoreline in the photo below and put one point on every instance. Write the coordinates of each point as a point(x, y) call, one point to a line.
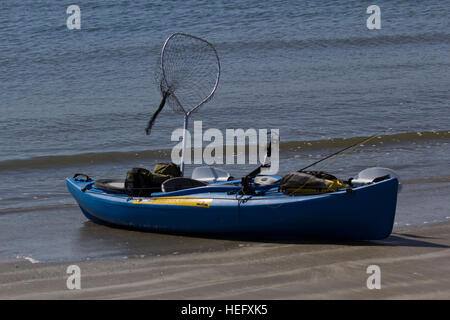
point(414, 264)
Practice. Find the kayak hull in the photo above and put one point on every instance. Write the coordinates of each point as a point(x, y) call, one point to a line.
point(365, 213)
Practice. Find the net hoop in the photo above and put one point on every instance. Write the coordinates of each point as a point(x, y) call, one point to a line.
point(172, 94)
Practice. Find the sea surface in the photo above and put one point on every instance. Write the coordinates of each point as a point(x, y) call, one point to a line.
point(79, 101)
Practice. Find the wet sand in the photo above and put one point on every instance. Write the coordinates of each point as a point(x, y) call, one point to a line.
point(414, 262)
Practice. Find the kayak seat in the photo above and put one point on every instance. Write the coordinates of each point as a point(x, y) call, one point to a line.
point(265, 180)
point(181, 183)
point(210, 175)
point(111, 185)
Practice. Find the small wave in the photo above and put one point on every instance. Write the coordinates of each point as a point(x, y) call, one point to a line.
point(80, 159)
point(427, 180)
point(336, 42)
point(29, 259)
point(38, 208)
point(54, 161)
point(407, 137)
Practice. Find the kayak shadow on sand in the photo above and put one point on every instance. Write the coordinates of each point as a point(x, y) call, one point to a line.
point(404, 240)
point(132, 241)
point(391, 241)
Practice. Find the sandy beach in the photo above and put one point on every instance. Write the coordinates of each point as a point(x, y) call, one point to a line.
point(414, 264)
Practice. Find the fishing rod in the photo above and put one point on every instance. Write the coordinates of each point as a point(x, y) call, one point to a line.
point(245, 180)
point(338, 152)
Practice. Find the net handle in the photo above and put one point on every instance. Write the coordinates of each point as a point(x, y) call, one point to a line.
point(164, 73)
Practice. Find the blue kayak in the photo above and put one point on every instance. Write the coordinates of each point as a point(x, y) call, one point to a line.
point(361, 213)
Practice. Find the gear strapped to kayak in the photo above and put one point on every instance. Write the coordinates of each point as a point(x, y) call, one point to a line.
point(141, 182)
point(311, 182)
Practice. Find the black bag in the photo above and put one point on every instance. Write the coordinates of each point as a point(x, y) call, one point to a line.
point(141, 182)
point(138, 182)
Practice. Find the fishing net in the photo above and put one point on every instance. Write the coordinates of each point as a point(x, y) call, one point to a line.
point(187, 74)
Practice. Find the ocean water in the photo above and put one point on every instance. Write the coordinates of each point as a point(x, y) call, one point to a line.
point(79, 101)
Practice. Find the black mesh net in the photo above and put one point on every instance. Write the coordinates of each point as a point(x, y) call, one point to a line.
point(189, 70)
point(187, 74)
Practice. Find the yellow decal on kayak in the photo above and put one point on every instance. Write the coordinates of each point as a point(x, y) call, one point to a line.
point(192, 202)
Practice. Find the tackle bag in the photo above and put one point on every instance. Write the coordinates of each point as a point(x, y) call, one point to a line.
point(165, 171)
point(169, 169)
point(141, 182)
point(311, 182)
